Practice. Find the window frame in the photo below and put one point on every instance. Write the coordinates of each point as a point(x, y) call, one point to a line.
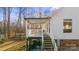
point(67, 30)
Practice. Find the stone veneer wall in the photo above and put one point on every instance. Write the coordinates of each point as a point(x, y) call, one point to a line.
point(69, 43)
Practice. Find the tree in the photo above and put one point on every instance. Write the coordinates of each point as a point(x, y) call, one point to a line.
point(5, 22)
point(6, 17)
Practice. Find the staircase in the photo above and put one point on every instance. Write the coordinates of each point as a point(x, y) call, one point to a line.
point(48, 43)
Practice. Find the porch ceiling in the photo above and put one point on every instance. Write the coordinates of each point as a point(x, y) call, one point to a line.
point(38, 21)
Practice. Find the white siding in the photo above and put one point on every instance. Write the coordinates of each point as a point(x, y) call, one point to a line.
point(56, 23)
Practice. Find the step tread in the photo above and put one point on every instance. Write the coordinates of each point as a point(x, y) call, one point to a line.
point(47, 39)
point(48, 42)
point(48, 47)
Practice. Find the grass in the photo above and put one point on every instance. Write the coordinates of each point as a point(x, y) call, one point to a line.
point(3, 40)
point(21, 49)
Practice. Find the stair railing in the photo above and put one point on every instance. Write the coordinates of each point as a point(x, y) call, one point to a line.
point(52, 39)
point(53, 42)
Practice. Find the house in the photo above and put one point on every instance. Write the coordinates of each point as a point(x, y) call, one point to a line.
point(64, 26)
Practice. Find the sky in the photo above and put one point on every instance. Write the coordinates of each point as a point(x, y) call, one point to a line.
point(28, 12)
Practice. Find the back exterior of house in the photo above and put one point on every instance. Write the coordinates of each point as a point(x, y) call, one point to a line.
point(64, 25)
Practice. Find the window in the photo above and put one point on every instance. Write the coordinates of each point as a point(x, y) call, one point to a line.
point(67, 26)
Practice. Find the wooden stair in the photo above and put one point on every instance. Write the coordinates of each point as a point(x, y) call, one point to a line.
point(48, 43)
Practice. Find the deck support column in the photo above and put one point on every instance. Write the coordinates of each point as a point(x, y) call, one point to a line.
point(42, 40)
point(27, 40)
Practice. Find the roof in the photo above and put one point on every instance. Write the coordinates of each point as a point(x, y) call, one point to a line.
point(38, 18)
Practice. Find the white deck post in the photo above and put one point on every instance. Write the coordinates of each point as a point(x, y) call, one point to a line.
point(27, 44)
point(42, 39)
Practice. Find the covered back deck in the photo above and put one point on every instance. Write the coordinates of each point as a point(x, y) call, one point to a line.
point(35, 30)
